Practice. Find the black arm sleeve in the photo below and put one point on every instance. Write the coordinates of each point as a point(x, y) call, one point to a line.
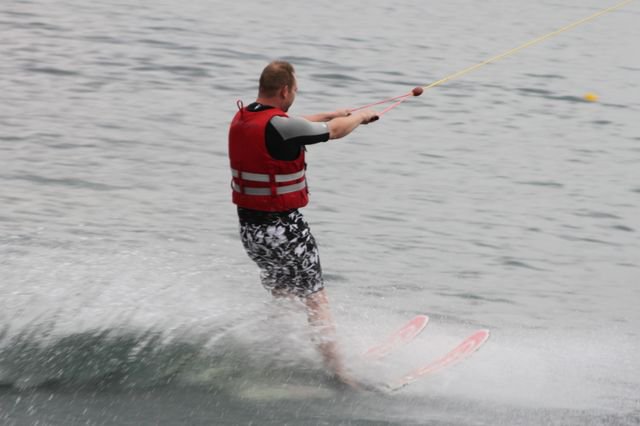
point(286, 136)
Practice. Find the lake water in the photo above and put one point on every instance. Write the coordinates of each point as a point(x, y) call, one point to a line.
point(500, 200)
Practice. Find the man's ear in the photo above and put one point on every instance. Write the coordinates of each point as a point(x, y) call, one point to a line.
point(284, 92)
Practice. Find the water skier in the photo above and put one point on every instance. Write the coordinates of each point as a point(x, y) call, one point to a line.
point(267, 156)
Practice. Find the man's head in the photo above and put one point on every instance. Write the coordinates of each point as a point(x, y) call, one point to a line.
point(278, 84)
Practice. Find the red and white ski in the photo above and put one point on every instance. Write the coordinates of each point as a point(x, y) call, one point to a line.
point(400, 337)
point(460, 352)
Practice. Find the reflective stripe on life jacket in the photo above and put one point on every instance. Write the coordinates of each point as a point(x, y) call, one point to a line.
point(259, 177)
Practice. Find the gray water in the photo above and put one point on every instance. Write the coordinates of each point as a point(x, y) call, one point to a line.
point(500, 200)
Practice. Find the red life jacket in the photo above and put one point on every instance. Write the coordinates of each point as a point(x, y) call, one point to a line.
point(259, 181)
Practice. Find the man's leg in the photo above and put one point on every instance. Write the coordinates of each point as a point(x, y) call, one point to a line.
point(290, 268)
point(324, 330)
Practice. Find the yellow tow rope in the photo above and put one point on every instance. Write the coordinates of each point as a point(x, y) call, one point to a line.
point(525, 45)
point(417, 91)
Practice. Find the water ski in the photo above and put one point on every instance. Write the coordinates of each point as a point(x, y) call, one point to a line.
point(400, 337)
point(467, 347)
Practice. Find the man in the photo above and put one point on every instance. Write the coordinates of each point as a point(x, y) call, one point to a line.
point(267, 155)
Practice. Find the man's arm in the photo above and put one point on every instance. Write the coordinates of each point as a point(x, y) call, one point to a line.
point(327, 116)
point(342, 126)
point(285, 135)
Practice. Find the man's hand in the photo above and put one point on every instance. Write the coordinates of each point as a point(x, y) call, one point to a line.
point(341, 113)
point(368, 116)
point(341, 126)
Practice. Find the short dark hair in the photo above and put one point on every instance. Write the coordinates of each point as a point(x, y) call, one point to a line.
point(275, 76)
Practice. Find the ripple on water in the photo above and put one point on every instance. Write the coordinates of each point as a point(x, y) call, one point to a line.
point(53, 71)
point(548, 184)
point(67, 182)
